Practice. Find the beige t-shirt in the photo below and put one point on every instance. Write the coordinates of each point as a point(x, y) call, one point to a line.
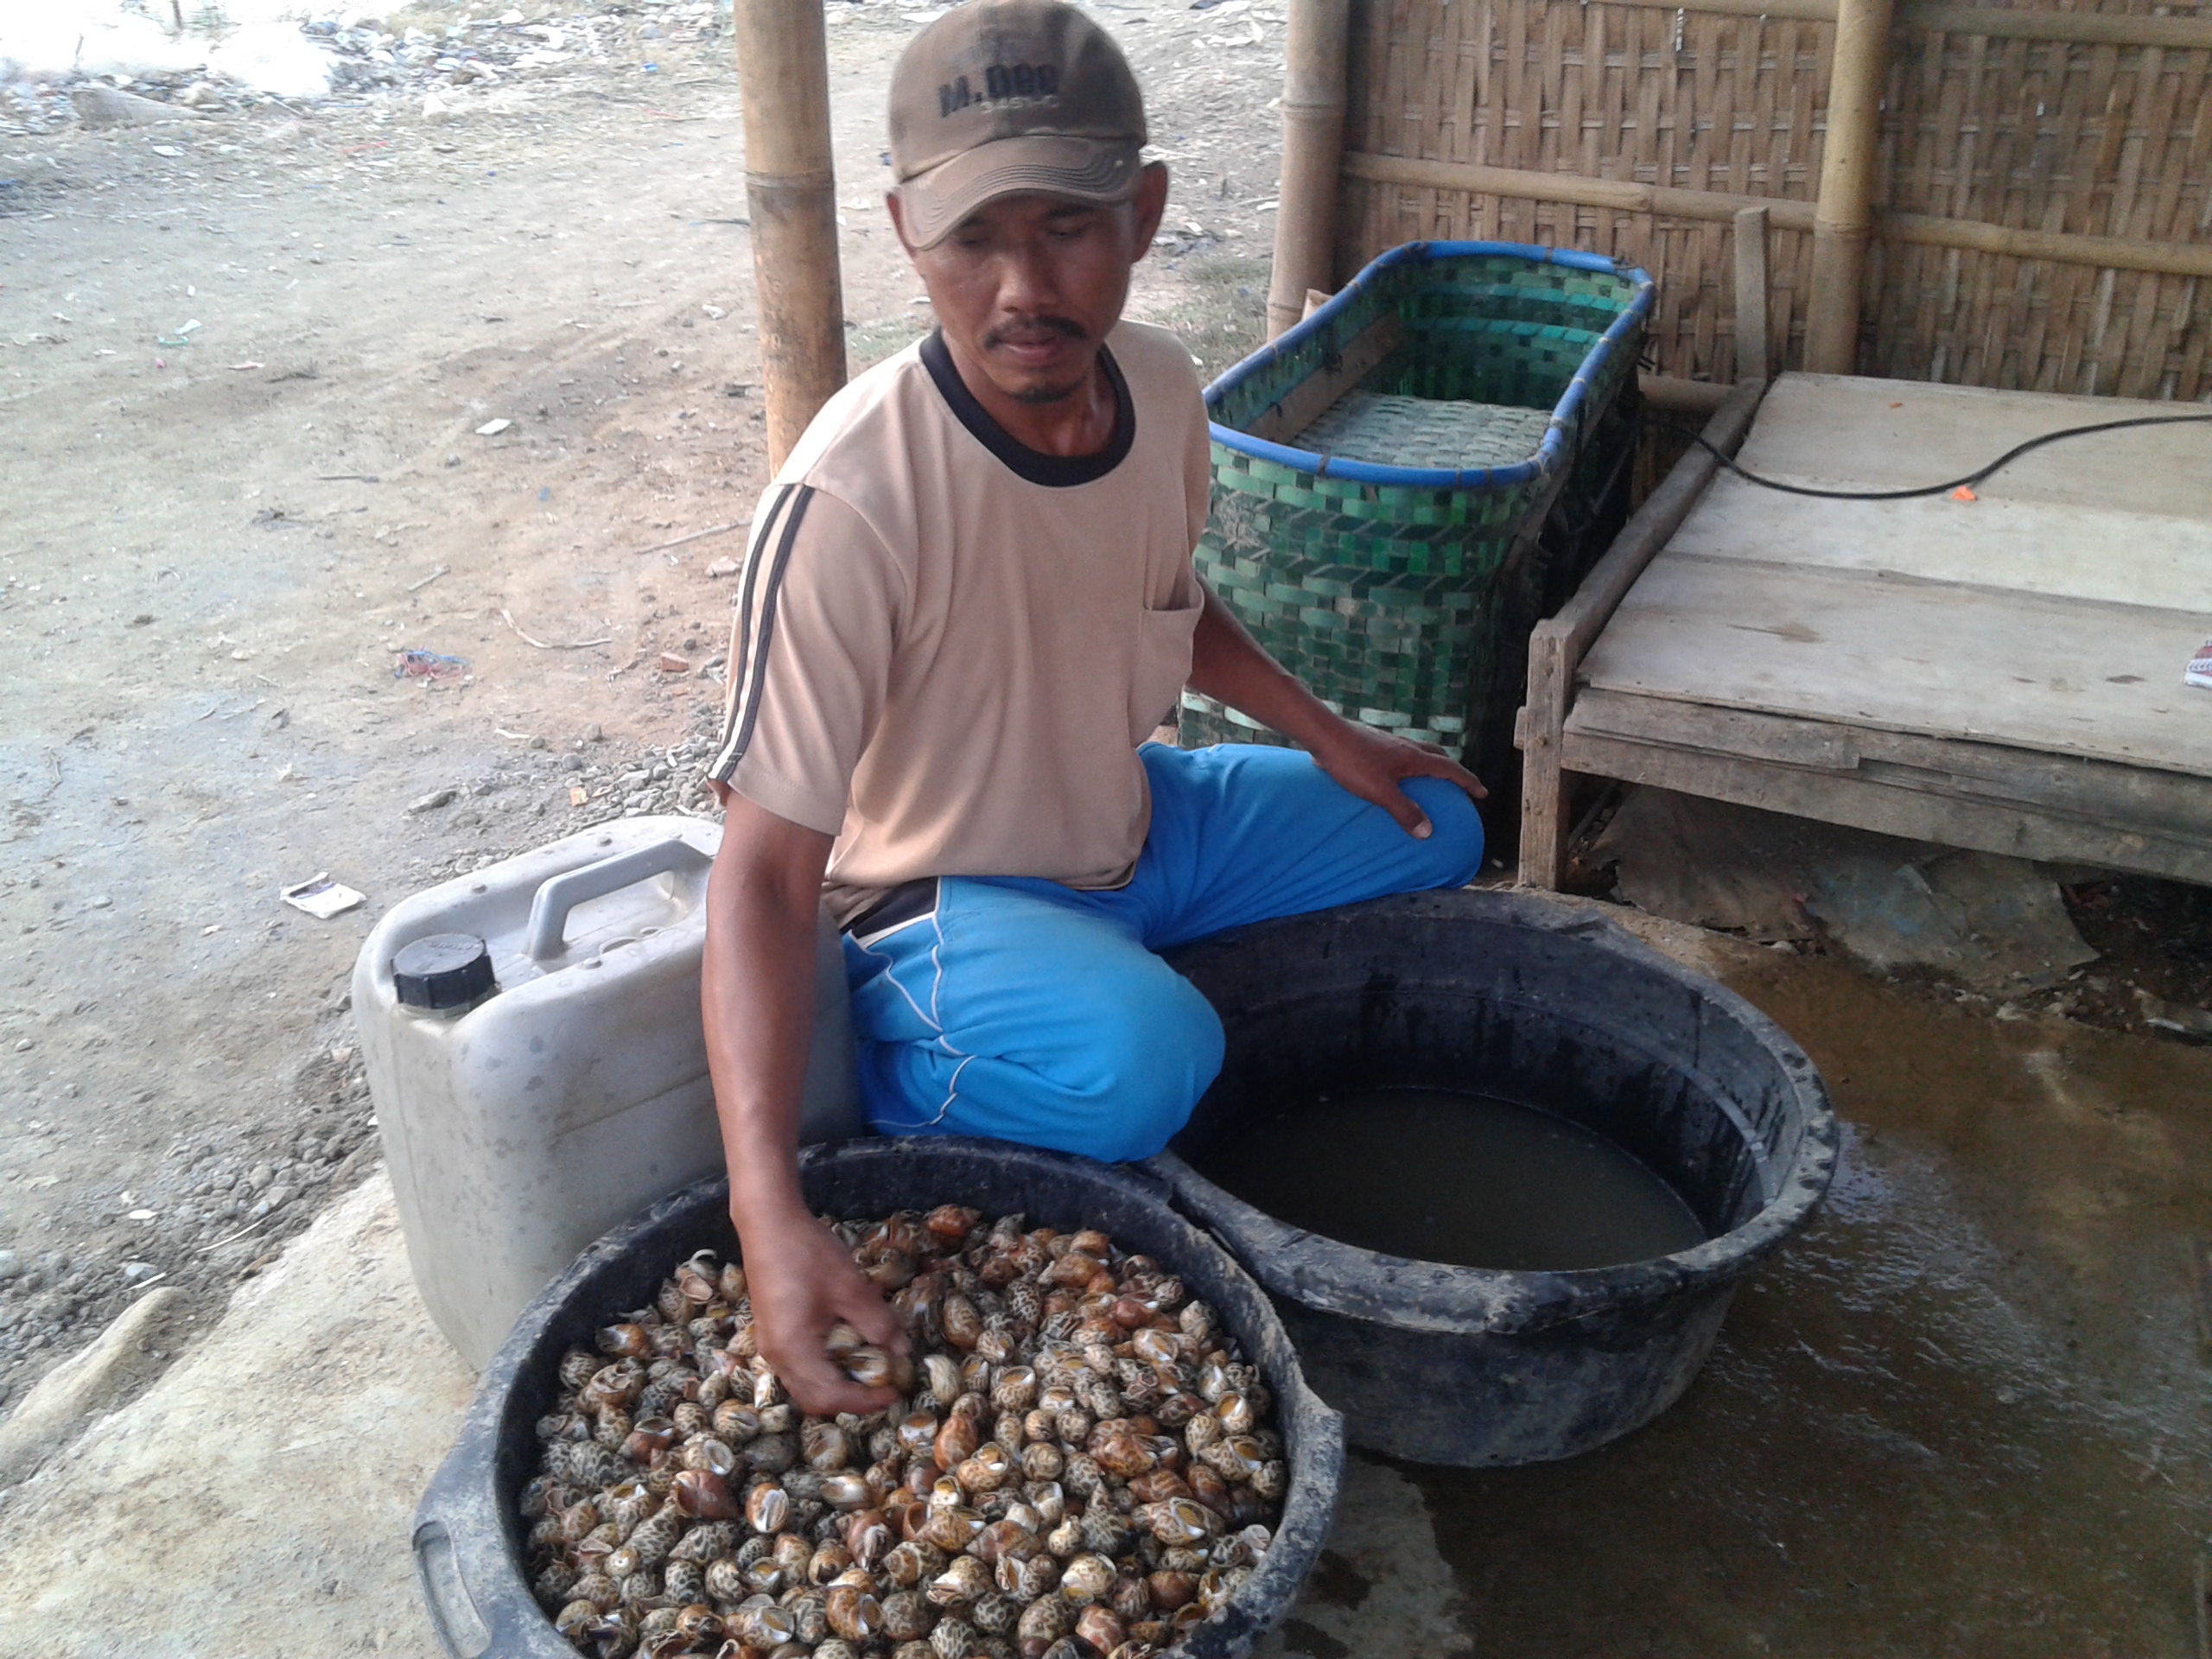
point(947, 647)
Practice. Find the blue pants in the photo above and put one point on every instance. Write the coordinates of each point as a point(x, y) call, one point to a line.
point(1022, 1010)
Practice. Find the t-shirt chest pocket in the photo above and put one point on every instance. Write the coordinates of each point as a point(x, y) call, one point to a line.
point(1163, 664)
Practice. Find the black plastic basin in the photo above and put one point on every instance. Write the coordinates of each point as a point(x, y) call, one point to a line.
point(469, 1538)
point(1525, 998)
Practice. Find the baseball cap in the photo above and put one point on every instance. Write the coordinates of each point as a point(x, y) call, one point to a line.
point(1000, 98)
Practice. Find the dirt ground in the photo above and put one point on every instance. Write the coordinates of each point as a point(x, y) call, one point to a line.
point(213, 552)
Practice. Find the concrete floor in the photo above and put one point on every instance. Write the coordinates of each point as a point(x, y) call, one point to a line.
point(1965, 1414)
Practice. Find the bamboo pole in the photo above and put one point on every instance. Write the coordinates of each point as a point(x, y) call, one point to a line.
point(2003, 22)
point(1313, 142)
point(791, 187)
point(1750, 295)
point(1533, 184)
point(1843, 217)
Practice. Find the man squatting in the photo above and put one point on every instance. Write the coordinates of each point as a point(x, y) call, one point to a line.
point(967, 602)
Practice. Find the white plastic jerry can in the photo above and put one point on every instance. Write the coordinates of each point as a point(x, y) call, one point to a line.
point(538, 1063)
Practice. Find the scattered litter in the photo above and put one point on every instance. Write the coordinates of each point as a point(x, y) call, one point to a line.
point(1963, 493)
point(249, 364)
point(143, 1215)
point(416, 664)
point(167, 149)
point(548, 644)
point(492, 428)
point(347, 478)
point(673, 663)
point(418, 587)
point(2177, 1017)
point(695, 536)
point(2199, 671)
point(577, 794)
point(321, 897)
point(433, 801)
point(715, 312)
point(211, 929)
point(722, 568)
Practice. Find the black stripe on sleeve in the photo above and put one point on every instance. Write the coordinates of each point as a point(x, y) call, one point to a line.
point(757, 667)
point(746, 651)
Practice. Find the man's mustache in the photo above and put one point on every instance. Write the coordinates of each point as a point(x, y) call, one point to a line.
point(1029, 328)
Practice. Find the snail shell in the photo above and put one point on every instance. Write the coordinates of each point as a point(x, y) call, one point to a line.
point(577, 1368)
point(907, 1616)
point(943, 1379)
point(949, 1225)
point(690, 1418)
point(827, 1563)
point(946, 1493)
point(1235, 1414)
point(1270, 1480)
point(626, 1341)
point(779, 1418)
point(825, 1446)
point(1086, 1578)
point(809, 1624)
point(767, 1506)
point(762, 1624)
point(867, 1536)
point(854, 1613)
point(1121, 1451)
point(987, 1470)
point(1026, 1577)
point(918, 1432)
point(913, 1562)
point(772, 1454)
point(598, 1588)
point(1047, 1498)
point(1131, 1599)
point(952, 1639)
point(793, 1554)
point(1044, 1621)
point(951, 1530)
point(1171, 1590)
point(725, 1580)
point(1105, 1532)
point(553, 1584)
point(1065, 1539)
point(834, 1649)
point(961, 1582)
point(705, 1495)
point(993, 1614)
point(847, 1492)
point(956, 1441)
point(915, 1649)
point(735, 1421)
point(1014, 1389)
point(1098, 1629)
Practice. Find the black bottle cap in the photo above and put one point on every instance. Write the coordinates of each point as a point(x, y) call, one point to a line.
point(446, 971)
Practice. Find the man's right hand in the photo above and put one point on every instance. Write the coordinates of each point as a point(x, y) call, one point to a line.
point(803, 1281)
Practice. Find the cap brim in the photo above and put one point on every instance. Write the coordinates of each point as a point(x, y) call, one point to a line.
point(1104, 171)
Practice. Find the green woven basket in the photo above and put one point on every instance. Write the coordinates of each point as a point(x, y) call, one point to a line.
point(1369, 563)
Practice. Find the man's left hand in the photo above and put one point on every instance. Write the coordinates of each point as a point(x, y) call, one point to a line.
point(1373, 764)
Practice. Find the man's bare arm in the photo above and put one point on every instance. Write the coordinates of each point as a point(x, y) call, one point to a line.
point(1228, 665)
point(756, 998)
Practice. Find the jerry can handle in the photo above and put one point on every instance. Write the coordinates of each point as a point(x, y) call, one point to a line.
point(548, 911)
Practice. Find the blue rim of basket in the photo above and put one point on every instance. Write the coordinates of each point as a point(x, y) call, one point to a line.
point(1549, 453)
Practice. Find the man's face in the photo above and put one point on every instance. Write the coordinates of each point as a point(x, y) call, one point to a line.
point(1028, 286)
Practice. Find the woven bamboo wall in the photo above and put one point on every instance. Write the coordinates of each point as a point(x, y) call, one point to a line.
point(2100, 140)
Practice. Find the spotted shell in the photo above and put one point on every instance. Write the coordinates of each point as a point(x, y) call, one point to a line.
point(961, 1582)
point(1086, 1578)
point(953, 1638)
point(854, 1613)
point(1045, 1620)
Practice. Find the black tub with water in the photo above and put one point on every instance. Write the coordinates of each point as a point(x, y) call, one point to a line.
point(468, 1540)
point(1424, 1082)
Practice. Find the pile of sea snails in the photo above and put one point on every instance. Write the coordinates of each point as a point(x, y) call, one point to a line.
point(1079, 1467)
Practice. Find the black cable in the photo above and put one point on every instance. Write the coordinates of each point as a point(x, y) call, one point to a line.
point(2009, 456)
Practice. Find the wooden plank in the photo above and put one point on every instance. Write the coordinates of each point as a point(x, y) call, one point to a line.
point(2110, 555)
point(1847, 431)
point(1299, 407)
point(2025, 669)
point(2171, 803)
point(2008, 828)
point(1556, 644)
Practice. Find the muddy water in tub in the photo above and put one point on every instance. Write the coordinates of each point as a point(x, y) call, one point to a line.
point(1438, 1175)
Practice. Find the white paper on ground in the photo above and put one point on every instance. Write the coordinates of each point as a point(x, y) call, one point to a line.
point(321, 897)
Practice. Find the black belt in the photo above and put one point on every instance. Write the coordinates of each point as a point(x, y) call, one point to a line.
point(910, 901)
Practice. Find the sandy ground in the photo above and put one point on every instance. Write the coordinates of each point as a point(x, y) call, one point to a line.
point(213, 552)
